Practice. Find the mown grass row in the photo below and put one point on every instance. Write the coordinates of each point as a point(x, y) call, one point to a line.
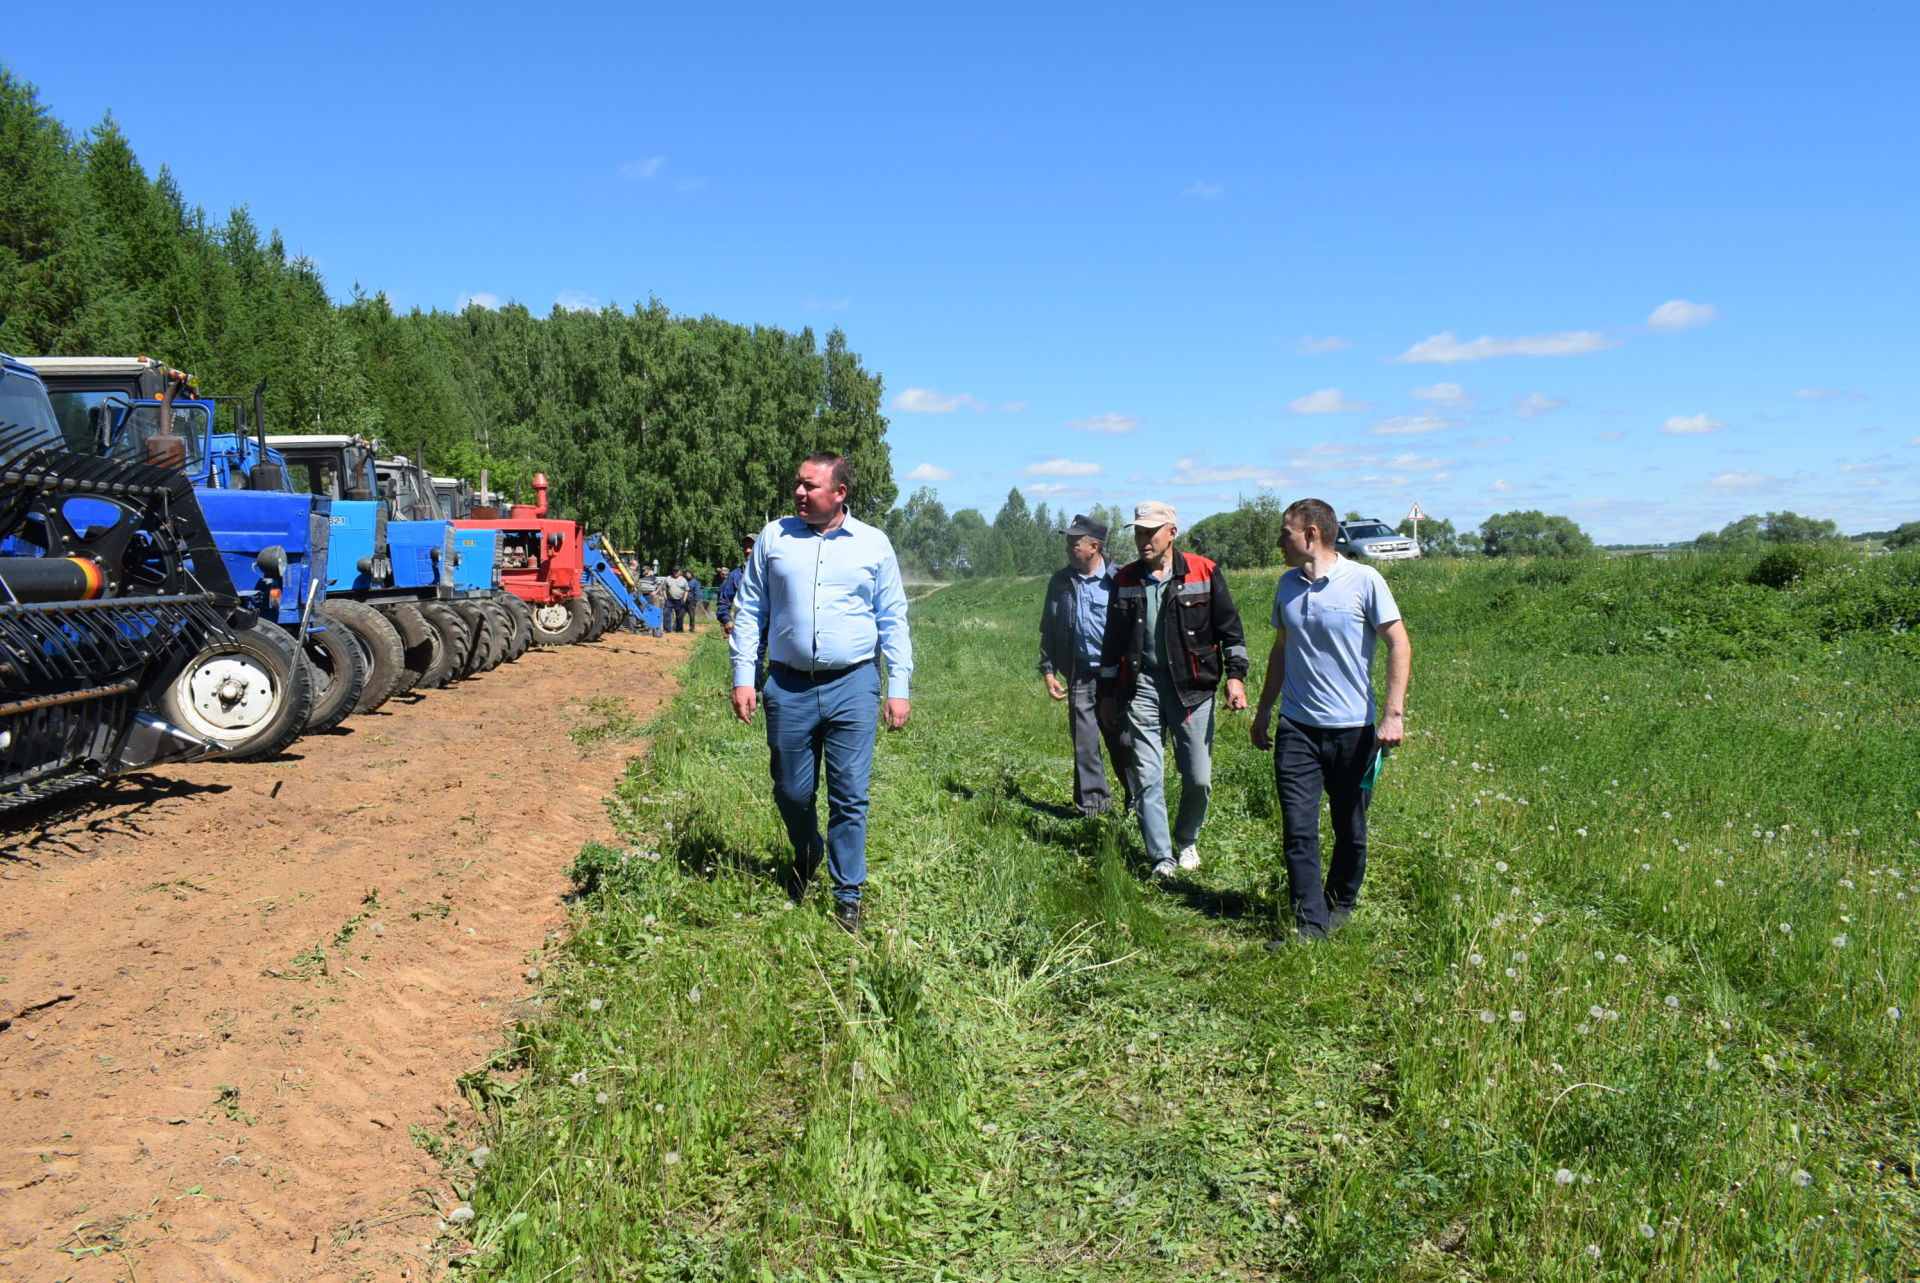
point(1628, 995)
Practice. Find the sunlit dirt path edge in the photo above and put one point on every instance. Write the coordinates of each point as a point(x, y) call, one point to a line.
point(241, 993)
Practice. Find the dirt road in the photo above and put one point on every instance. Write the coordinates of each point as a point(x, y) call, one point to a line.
point(240, 994)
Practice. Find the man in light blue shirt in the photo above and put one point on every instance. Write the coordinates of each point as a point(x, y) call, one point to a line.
point(824, 588)
point(1327, 614)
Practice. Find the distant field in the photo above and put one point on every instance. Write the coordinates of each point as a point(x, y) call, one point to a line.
point(1630, 993)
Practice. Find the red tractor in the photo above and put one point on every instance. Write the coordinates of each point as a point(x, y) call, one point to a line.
point(541, 562)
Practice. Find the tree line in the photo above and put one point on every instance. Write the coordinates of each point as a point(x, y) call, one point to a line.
point(671, 433)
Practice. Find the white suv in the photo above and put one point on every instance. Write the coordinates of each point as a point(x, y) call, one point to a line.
point(1374, 540)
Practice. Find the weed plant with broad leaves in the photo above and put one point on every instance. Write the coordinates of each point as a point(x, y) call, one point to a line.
point(1627, 996)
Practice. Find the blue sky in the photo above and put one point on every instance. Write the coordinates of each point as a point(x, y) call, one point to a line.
point(1649, 265)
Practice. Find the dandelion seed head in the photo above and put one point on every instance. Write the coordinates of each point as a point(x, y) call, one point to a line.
point(1564, 1176)
point(1802, 1177)
point(1499, 866)
point(1474, 960)
point(1516, 1016)
point(1673, 1000)
point(1593, 1252)
point(1840, 941)
point(671, 1157)
point(594, 1004)
point(601, 1098)
point(1487, 1017)
point(1583, 1029)
point(693, 995)
point(1645, 1231)
point(1619, 959)
point(1713, 1063)
point(1519, 957)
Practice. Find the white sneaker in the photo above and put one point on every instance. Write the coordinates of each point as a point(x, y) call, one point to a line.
point(1164, 870)
point(1190, 856)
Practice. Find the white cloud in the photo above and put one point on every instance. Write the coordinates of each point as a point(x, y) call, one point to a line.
point(821, 305)
point(1308, 345)
point(689, 184)
point(1195, 471)
point(1828, 394)
point(1487, 443)
point(1915, 441)
point(1532, 407)
point(1013, 407)
point(1057, 489)
point(648, 168)
point(1060, 468)
point(1445, 349)
point(1740, 481)
point(1617, 434)
point(1690, 425)
point(1417, 463)
point(1867, 481)
point(1106, 425)
point(930, 472)
point(1499, 485)
point(930, 401)
point(577, 301)
point(482, 299)
point(1678, 314)
point(1325, 401)
point(1203, 190)
point(1407, 425)
point(1443, 394)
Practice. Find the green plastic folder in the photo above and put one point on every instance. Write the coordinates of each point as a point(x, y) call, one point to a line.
point(1373, 768)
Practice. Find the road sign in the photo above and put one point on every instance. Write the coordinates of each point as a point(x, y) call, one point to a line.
point(1415, 514)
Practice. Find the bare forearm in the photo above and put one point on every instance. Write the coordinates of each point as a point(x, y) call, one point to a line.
point(1399, 671)
point(1276, 675)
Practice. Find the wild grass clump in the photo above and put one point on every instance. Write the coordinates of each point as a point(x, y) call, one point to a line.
point(1629, 994)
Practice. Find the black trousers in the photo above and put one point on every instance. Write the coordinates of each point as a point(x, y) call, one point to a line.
point(1307, 761)
point(1090, 794)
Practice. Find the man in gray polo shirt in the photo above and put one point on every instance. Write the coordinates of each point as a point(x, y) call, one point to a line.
point(1327, 614)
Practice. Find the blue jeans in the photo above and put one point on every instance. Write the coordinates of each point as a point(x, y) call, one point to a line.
point(837, 720)
point(1154, 712)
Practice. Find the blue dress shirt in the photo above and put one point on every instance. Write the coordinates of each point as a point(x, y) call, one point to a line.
point(824, 601)
point(1090, 594)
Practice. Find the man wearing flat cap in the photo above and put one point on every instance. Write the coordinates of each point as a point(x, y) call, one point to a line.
point(1172, 633)
point(1073, 623)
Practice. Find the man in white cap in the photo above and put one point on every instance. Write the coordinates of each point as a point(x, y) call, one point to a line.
point(1172, 633)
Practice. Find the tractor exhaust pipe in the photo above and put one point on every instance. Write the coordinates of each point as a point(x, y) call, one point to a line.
point(540, 491)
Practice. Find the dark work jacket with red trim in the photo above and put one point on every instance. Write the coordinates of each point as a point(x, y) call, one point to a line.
point(1200, 630)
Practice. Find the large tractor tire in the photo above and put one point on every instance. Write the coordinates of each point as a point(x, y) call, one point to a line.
point(253, 693)
point(516, 610)
point(596, 617)
point(454, 640)
point(502, 631)
point(380, 640)
point(419, 644)
point(560, 624)
point(482, 638)
point(339, 670)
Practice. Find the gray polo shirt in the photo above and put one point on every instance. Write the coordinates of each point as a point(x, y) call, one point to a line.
point(1331, 624)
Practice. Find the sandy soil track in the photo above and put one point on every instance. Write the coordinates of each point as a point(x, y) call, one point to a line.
point(189, 1090)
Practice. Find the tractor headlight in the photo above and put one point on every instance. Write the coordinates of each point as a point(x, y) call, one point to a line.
point(272, 561)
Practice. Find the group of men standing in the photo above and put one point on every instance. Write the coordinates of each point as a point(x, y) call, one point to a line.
point(1136, 652)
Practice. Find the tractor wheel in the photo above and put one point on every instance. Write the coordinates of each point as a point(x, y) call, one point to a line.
point(560, 623)
point(502, 632)
point(616, 614)
point(419, 642)
point(339, 669)
point(386, 653)
point(252, 693)
point(596, 617)
point(522, 622)
point(482, 638)
point(454, 641)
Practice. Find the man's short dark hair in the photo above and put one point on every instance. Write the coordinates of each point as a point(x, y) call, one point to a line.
point(1317, 513)
point(842, 468)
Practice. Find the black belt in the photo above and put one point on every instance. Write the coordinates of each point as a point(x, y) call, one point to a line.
point(819, 676)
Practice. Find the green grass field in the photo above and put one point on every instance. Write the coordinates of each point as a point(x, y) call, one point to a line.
point(1628, 995)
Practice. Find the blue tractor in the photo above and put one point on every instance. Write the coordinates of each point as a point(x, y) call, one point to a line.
point(606, 571)
point(292, 672)
point(115, 606)
point(396, 553)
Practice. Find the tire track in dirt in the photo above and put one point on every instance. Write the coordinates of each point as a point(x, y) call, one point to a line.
point(264, 977)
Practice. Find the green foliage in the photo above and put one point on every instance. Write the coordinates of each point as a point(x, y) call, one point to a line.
point(1788, 564)
point(1438, 538)
point(1242, 539)
point(1907, 535)
point(673, 434)
point(1755, 531)
point(1532, 533)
